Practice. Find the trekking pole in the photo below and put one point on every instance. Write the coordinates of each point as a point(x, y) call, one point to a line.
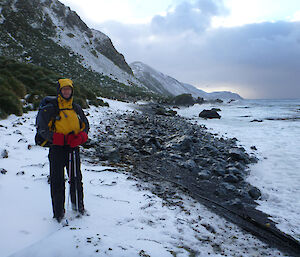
point(76, 181)
point(69, 178)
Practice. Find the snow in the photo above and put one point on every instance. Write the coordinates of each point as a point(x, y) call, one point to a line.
point(84, 47)
point(126, 219)
point(277, 174)
point(2, 18)
point(173, 86)
point(13, 6)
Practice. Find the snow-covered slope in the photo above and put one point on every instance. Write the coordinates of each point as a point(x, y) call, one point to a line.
point(165, 84)
point(126, 219)
point(90, 44)
point(50, 34)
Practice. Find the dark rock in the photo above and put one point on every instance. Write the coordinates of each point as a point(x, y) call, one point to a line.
point(18, 132)
point(228, 187)
point(231, 178)
point(255, 120)
point(200, 100)
point(4, 154)
point(161, 111)
point(237, 203)
point(109, 153)
point(3, 171)
point(146, 151)
point(218, 169)
point(240, 166)
point(237, 154)
point(213, 101)
point(21, 173)
point(153, 141)
point(253, 159)
point(254, 193)
point(209, 228)
point(209, 114)
point(184, 99)
point(220, 191)
point(224, 189)
point(189, 164)
point(204, 174)
point(182, 143)
point(234, 171)
point(175, 156)
point(253, 147)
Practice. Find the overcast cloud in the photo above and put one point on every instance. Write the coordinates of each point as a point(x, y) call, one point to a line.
point(260, 60)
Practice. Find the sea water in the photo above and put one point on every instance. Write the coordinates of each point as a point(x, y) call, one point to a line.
point(273, 127)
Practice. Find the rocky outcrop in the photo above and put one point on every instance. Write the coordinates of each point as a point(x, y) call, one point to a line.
point(209, 114)
point(184, 100)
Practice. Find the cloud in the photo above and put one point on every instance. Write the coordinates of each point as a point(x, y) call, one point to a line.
point(188, 16)
point(258, 60)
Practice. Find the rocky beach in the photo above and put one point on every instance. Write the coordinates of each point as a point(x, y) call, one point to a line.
point(171, 153)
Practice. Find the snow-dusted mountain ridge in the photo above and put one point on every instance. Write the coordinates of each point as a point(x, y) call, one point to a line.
point(164, 84)
point(50, 34)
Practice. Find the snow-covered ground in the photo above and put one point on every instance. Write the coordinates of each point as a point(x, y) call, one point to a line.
point(277, 174)
point(126, 219)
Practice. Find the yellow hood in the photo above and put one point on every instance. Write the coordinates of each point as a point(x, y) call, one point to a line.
point(62, 102)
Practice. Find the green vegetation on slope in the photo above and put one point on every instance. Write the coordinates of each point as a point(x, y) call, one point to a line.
point(23, 85)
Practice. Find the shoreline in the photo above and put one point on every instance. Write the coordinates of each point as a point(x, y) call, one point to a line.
point(212, 170)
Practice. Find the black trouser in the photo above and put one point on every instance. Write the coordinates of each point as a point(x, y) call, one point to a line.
point(59, 158)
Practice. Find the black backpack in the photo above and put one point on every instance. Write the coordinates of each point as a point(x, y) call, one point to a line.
point(39, 140)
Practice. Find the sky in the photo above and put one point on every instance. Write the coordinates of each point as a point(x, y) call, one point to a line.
point(250, 47)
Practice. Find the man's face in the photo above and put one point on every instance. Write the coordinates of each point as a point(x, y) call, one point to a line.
point(66, 92)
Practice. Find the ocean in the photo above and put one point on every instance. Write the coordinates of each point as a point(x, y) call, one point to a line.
point(273, 127)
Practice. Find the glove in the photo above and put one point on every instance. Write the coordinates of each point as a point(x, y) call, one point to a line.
point(76, 140)
point(58, 139)
point(84, 136)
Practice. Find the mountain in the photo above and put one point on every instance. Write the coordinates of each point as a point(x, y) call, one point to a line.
point(164, 84)
point(49, 34)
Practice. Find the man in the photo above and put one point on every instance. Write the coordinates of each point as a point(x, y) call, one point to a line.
point(65, 126)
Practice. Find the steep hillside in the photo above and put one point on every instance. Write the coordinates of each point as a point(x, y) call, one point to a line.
point(164, 84)
point(49, 34)
point(22, 86)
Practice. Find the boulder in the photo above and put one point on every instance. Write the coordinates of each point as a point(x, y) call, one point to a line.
point(204, 174)
point(236, 154)
point(184, 99)
point(209, 114)
point(3, 153)
point(109, 153)
point(254, 193)
point(230, 178)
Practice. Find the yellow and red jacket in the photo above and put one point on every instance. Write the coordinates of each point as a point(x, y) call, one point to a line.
point(61, 115)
